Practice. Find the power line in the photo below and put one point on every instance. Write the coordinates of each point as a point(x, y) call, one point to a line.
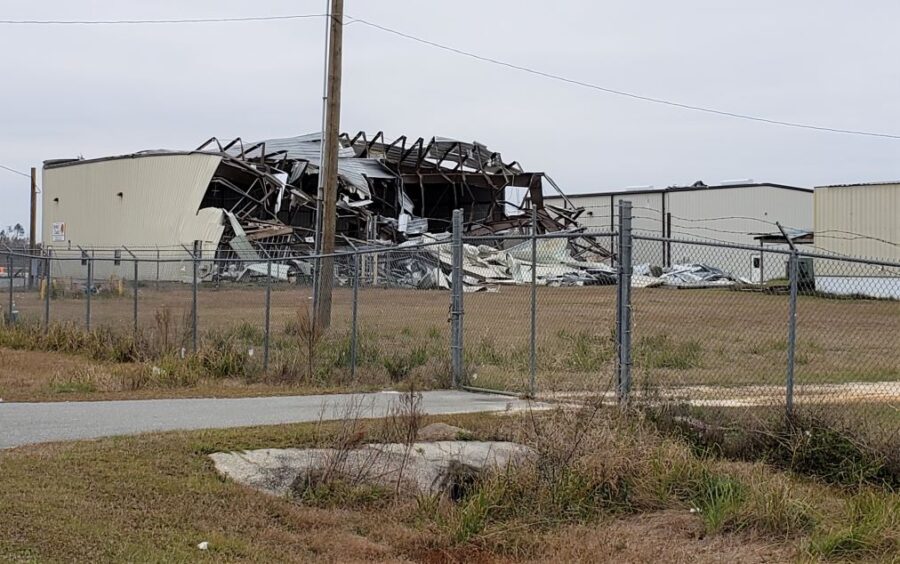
point(14, 171)
point(623, 93)
point(852, 237)
point(163, 21)
point(483, 58)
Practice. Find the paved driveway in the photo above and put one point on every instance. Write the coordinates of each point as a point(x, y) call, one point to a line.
point(28, 423)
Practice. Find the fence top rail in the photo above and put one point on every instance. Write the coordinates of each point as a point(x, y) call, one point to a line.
point(78, 256)
point(553, 235)
point(131, 254)
point(769, 250)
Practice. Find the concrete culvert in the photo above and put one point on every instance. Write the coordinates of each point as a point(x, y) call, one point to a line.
point(436, 468)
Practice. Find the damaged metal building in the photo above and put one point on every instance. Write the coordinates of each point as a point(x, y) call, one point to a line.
point(257, 200)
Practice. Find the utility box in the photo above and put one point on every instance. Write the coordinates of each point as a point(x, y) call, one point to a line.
point(806, 277)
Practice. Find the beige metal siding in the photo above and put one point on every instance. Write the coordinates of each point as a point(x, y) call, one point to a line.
point(843, 213)
point(646, 219)
point(861, 221)
point(732, 215)
point(158, 206)
point(602, 213)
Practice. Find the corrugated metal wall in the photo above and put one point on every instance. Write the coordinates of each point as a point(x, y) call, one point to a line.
point(723, 214)
point(158, 206)
point(842, 213)
point(861, 221)
point(732, 215)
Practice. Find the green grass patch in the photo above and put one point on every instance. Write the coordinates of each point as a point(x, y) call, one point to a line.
point(661, 351)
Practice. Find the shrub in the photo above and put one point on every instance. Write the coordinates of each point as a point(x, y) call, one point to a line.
point(870, 529)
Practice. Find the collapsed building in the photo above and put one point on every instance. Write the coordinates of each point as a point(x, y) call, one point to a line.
point(386, 191)
point(255, 201)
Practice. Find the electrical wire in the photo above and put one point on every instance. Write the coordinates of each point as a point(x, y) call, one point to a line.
point(164, 21)
point(483, 58)
point(14, 171)
point(623, 93)
point(852, 237)
point(710, 229)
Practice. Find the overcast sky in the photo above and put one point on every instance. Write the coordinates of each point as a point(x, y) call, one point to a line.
point(101, 90)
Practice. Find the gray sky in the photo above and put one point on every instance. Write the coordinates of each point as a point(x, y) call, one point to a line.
point(99, 90)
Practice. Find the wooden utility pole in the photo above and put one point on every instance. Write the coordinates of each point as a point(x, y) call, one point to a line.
point(329, 166)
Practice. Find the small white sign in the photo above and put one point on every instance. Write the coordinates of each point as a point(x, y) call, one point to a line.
point(58, 231)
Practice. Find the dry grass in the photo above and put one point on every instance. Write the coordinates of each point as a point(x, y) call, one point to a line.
point(704, 336)
point(52, 376)
point(154, 497)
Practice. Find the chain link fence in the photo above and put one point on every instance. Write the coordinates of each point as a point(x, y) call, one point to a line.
point(635, 318)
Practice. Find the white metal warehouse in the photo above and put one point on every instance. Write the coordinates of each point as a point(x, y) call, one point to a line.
point(860, 220)
point(135, 202)
point(732, 213)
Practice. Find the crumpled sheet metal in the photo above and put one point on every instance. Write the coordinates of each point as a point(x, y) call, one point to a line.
point(698, 274)
point(483, 264)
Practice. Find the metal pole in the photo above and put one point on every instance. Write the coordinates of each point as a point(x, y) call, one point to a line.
point(48, 281)
point(11, 279)
point(268, 313)
point(194, 300)
point(353, 328)
point(90, 290)
point(135, 315)
point(456, 301)
point(792, 331)
point(623, 322)
point(532, 386)
point(157, 269)
point(32, 233)
point(669, 235)
point(762, 263)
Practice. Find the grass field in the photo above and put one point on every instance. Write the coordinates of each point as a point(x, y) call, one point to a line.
point(647, 498)
point(681, 337)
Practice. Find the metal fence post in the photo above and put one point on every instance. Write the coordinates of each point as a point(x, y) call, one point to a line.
point(456, 300)
point(90, 291)
point(793, 269)
point(196, 269)
point(353, 327)
point(268, 313)
point(135, 313)
point(11, 279)
point(623, 310)
point(157, 268)
point(48, 288)
point(532, 385)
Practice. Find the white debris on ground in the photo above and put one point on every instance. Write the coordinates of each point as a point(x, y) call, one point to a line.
point(698, 274)
point(421, 467)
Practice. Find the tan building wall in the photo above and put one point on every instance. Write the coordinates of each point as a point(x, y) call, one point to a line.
point(724, 213)
point(141, 202)
point(860, 221)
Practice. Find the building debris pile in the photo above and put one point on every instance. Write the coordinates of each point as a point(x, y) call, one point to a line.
point(426, 263)
point(392, 193)
point(683, 276)
point(387, 191)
